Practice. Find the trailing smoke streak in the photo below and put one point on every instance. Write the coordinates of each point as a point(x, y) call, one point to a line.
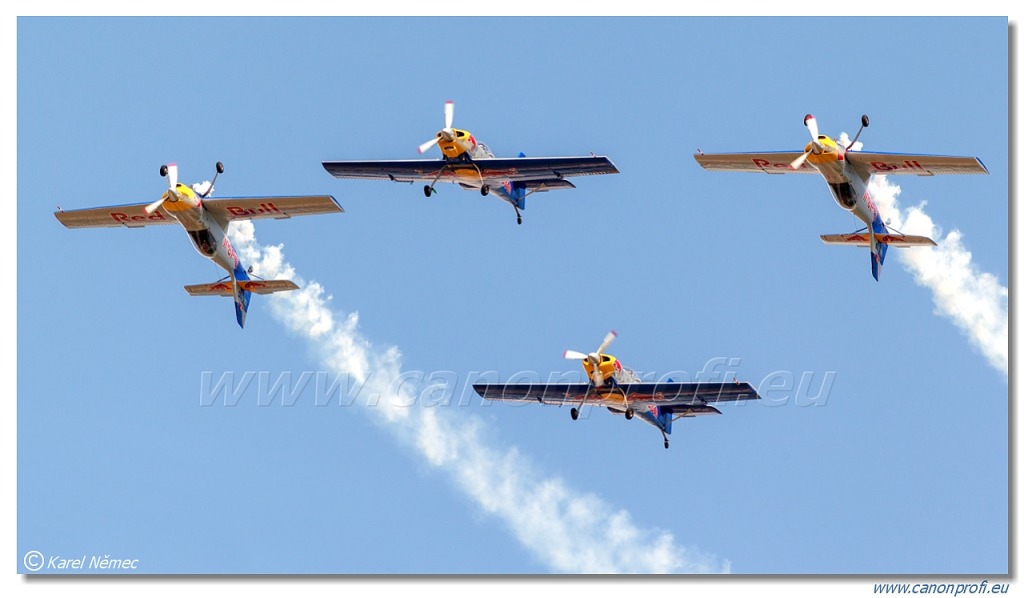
point(973, 300)
point(569, 531)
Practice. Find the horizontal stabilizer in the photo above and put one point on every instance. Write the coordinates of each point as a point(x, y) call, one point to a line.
point(223, 288)
point(864, 240)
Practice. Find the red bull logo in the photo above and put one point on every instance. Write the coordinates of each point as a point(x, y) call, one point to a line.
point(762, 163)
point(871, 203)
point(265, 208)
point(121, 217)
point(231, 250)
point(906, 165)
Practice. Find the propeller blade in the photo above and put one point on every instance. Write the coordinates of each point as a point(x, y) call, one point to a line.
point(172, 176)
point(812, 126)
point(155, 205)
point(574, 355)
point(429, 144)
point(449, 113)
point(607, 341)
point(795, 164)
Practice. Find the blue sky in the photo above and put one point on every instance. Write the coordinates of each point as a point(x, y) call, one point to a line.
point(901, 467)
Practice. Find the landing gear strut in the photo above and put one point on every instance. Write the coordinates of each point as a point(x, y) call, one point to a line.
point(519, 218)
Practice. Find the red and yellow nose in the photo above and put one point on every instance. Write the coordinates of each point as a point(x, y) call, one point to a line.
point(454, 142)
point(183, 198)
point(824, 151)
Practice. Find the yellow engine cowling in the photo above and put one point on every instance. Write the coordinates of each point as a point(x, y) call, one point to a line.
point(186, 199)
point(830, 151)
point(608, 366)
point(460, 143)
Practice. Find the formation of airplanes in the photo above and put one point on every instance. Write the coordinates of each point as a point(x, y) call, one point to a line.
point(471, 165)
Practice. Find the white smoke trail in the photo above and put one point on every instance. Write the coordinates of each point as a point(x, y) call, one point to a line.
point(973, 300)
point(568, 530)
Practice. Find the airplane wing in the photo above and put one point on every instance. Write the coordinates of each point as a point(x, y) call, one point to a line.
point(662, 394)
point(129, 215)
point(490, 170)
point(226, 209)
point(767, 162)
point(890, 164)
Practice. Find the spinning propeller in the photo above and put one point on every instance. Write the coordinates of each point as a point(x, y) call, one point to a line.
point(594, 358)
point(447, 132)
point(812, 127)
point(171, 172)
point(816, 148)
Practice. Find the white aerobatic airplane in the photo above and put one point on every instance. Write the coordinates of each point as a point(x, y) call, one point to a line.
point(206, 221)
point(847, 170)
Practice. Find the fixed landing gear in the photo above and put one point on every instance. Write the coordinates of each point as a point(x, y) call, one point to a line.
point(574, 413)
point(428, 190)
point(519, 217)
point(484, 190)
point(629, 413)
point(666, 444)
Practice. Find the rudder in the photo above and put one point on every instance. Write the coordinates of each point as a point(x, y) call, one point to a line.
point(878, 249)
point(241, 296)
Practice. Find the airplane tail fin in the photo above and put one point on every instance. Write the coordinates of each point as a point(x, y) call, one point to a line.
point(878, 246)
point(664, 419)
point(241, 295)
point(241, 290)
point(879, 238)
point(516, 191)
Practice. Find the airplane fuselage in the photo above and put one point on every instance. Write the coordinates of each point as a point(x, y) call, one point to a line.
point(208, 236)
point(611, 369)
point(849, 186)
point(460, 148)
point(461, 145)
